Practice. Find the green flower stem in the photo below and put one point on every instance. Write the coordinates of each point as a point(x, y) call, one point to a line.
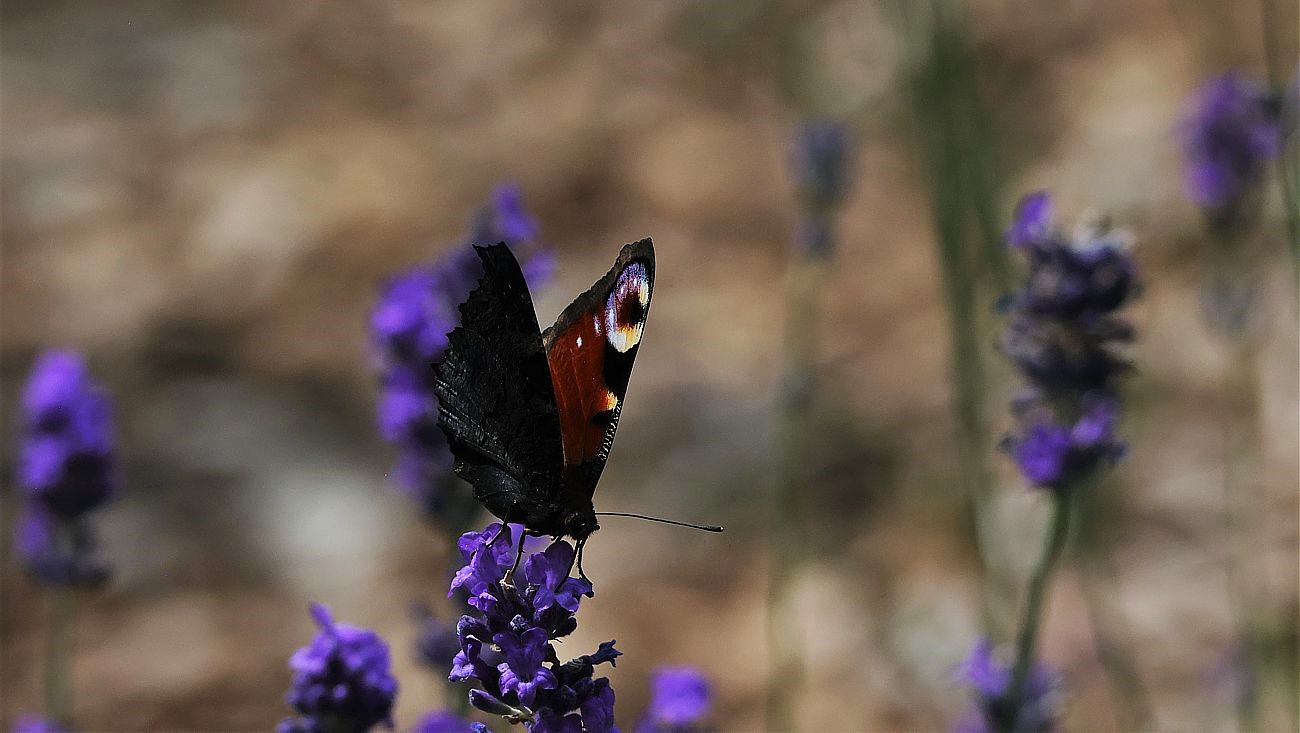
point(1238, 437)
point(58, 677)
point(789, 508)
point(1288, 164)
point(959, 177)
point(1027, 637)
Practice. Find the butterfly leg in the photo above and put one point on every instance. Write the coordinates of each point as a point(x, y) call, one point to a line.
point(582, 544)
point(519, 553)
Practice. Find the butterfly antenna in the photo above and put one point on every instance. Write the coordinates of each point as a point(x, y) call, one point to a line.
point(705, 527)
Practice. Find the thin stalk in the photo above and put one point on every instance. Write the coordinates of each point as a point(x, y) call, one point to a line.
point(790, 505)
point(1031, 621)
point(58, 677)
point(945, 153)
point(1110, 629)
point(975, 127)
point(967, 370)
point(1237, 526)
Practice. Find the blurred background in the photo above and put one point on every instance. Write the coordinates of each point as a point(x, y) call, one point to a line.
point(205, 198)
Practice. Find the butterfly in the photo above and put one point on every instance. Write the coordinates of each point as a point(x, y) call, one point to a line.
point(530, 415)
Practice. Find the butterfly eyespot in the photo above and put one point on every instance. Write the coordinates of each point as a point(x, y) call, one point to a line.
point(625, 309)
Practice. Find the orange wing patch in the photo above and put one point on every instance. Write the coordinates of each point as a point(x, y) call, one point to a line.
point(577, 361)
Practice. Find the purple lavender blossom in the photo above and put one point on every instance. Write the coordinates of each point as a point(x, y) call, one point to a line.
point(66, 459)
point(990, 679)
point(409, 326)
point(341, 681)
point(1063, 332)
point(1033, 220)
point(66, 468)
point(1231, 131)
point(680, 699)
point(507, 640)
point(441, 721)
point(36, 724)
point(820, 162)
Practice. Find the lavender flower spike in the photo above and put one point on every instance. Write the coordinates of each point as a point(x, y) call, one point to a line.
point(507, 639)
point(821, 163)
point(1063, 332)
point(67, 468)
point(66, 459)
point(341, 681)
point(821, 175)
point(1231, 131)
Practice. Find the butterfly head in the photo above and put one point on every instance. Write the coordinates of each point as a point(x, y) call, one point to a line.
point(580, 525)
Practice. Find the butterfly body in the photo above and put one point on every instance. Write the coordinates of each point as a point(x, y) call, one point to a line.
point(530, 416)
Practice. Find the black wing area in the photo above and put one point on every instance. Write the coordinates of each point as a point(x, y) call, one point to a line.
point(496, 402)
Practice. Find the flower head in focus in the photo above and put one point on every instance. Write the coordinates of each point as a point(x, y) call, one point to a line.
point(341, 681)
point(507, 640)
point(680, 698)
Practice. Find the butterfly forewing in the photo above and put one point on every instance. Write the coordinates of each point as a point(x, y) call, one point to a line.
point(496, 402)
point(590, 351)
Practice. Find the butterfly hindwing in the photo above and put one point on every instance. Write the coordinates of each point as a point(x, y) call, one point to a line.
point(496, 402)
point(590, 351)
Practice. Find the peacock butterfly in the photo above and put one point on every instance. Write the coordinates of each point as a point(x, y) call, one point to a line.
point(530, 415)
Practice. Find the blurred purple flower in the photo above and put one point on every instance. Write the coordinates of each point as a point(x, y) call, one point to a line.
point(1063, 332)
point(820, 163)
point(679, 701)
point(66, 459)
point(36, 724)
point(507, 640)
point(512, 222)
point(436, 644)
point(1231, 132)
point(58, 553)
point(441, 721)
point(1033, 220)
point(1041, 453)
point(409, 326)
point(341, 681)
point(990, 679)
point(66, 469)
